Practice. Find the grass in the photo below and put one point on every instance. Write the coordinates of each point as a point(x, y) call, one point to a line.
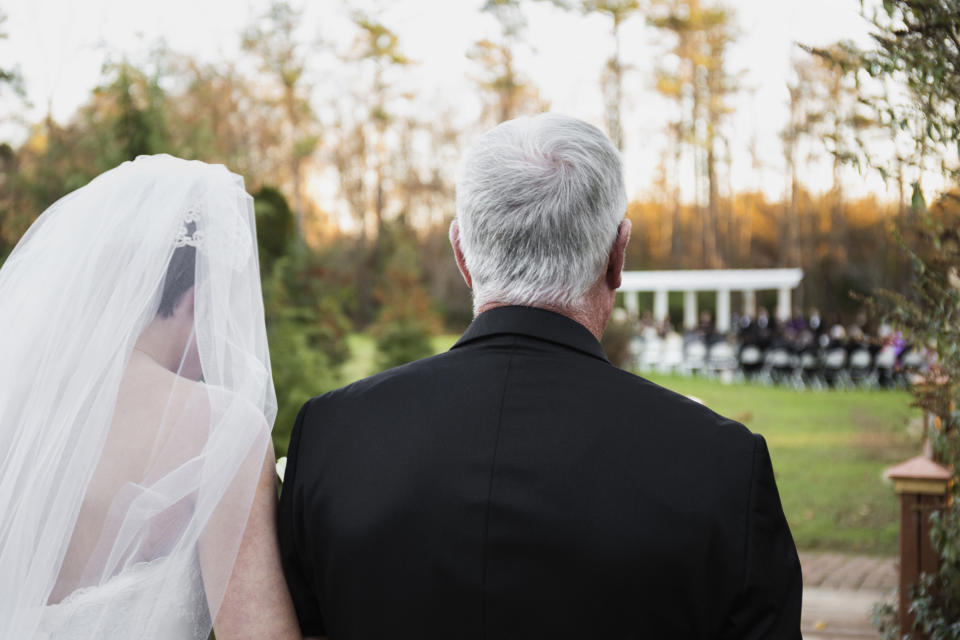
point(829, 450)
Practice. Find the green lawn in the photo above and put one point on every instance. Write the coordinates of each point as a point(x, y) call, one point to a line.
point(829, 450)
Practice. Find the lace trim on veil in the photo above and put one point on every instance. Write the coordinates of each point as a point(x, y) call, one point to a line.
point(188, 234)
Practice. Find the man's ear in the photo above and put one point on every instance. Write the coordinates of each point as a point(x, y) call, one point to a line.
point(617, 254)
point(458, 253)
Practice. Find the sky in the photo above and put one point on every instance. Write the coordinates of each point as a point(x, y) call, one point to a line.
point(61, 45)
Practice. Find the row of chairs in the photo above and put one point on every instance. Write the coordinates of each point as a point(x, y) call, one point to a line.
point(672, 355)
point(835, 367)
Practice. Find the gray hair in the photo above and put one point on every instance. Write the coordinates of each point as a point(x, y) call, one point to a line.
point(539, 201)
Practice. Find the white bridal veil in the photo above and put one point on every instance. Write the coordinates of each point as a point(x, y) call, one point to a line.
point(135, 404)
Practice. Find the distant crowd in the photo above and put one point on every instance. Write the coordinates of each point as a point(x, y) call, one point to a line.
point(804, 351)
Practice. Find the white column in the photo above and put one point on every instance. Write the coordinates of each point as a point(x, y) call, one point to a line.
point(723, 310)
point(689, 309)
point(660, 307)
point(750, 303)
point(631, 302)
point(783, 304)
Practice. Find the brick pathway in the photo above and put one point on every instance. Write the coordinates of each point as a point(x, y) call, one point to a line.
point(840, 571)
point(839, 592)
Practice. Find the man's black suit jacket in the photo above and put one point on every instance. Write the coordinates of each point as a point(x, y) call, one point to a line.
point(520, 486)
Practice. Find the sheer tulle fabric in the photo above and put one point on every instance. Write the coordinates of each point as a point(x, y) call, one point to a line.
point(125, 487)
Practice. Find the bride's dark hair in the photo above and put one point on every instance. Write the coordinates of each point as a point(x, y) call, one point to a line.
point(181, 273)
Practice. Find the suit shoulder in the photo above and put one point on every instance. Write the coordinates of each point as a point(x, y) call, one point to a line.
point(686, 411)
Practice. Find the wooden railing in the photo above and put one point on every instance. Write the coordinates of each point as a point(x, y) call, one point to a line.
point(923, 487)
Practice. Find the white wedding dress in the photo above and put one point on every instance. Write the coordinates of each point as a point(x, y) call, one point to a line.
point(167, 595)
point(136, 402)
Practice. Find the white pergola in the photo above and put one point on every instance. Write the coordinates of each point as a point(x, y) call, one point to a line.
point(722, 281)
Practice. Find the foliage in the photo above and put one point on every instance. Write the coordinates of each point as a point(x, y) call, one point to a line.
point(138, 125)
point(216, 113)
point(931, 315)
point(917, 43)
point(260, 116)
point(618, 11)
point(611, 80)
point(10, 76)
point(696, 79)
point(444, 285)
point(123, 119)
point(276, 227)
point(402, 341)
point(505, 91)
point(366, 172)
point(306, 327)
point(306, 349)
point(757, 237)
point(282, 65)
point(406, 319)
point(617, 336)
point(304, 354)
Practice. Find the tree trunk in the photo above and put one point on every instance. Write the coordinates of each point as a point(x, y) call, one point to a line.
point(838, 220)
point(713, 260)
point(614, 91)
point(676, 237)
point(695, 121)
point(296, 197)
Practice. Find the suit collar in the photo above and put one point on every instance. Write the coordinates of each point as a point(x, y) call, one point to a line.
point(536, 323)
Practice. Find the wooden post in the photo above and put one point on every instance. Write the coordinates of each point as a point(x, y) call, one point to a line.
point(923, 487)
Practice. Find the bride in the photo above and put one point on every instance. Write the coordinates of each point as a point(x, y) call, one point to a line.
point(137, 489)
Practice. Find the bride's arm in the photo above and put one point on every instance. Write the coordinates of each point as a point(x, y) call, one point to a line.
point(257, 603)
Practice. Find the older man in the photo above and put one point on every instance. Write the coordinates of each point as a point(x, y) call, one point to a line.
point(519, 485)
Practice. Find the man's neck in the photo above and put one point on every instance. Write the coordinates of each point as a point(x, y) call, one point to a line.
point(591, 321)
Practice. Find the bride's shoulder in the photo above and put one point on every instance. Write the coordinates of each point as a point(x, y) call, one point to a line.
point(224, 403)
point(192, 403)
point(218, 417)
